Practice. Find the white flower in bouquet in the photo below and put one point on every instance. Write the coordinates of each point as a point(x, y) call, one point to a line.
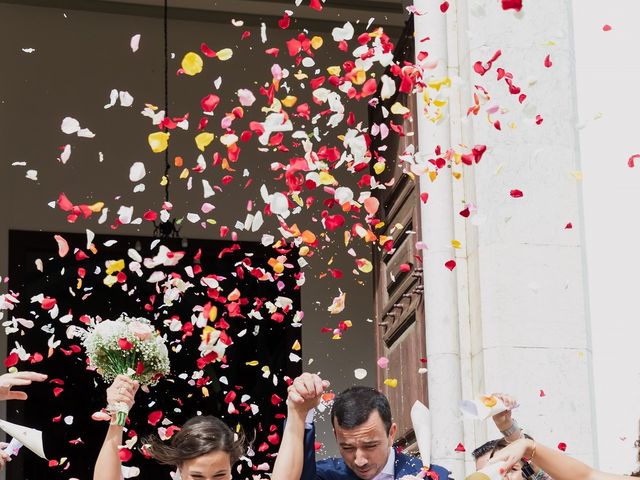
point(127, 346)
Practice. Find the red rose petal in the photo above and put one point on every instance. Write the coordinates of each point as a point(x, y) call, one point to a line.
point(460, 448)
point(512, 5)
point(451, 264)
point(284, 22)
point(154, 417)
point(125, 454)
point(632, 160)
point(11, 360)
point(562, 446)
point(444, 6)
point(606, 27)
point(316, 5)
point(547, 61)
point(332, 222)
point(207, 51)
point(210, 102)
point(48, 303)
point(515, 193)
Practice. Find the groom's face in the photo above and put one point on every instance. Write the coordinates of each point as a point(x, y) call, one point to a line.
point(365, 448)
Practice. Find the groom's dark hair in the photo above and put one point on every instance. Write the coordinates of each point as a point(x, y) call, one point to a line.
point(354, 406)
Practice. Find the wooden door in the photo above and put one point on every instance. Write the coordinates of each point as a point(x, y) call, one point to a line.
point(399, 309)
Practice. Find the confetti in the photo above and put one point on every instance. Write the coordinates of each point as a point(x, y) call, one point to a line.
point(360, 373)
point(192, 63)
point(135, 42)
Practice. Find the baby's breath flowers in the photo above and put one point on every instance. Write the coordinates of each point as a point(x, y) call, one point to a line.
point(127, 346)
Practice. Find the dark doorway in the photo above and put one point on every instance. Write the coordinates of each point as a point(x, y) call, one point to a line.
point(257, 365)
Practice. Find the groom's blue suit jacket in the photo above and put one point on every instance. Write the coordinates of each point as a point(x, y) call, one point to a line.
point(336, 469)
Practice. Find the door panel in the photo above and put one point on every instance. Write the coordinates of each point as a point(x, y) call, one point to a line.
point(399, 308)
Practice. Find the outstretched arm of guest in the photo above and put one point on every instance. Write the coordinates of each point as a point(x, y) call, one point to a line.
point(558, 465)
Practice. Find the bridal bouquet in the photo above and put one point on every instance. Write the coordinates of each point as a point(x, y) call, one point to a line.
point(127, 346)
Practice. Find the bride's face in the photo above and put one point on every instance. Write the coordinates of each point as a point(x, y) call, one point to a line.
point(212, 466)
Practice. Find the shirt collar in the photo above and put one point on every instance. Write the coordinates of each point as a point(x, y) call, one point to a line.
point(388, 472)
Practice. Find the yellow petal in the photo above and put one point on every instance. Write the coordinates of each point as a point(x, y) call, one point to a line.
point(316, 42)
point(296, 198)
point(252, 363)
point(437, 84)
point(456, 244)
point(335, 70)
point(326, 178)
point(347, 237)
point(360, 78)
point(289, 101)
point(203, 140)
point(213, 313)
point(96, 207)
point(159, 141)
point(110, 280)
point(115, 266)
point(399, 109)
point(378, 167)
point(192, 63)
point(224, 54)
point(304, 251)
point(164, 180)
point(184, 174)
point(296, 346)
point(391, 382)
point(205, 392)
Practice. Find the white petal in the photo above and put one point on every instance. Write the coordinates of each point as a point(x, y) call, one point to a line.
point(344, 33)
point(66, 154)
point(135, 42)
point(70, 125)
point(360, 373)
point(86, 133)
point(126, 99)
point(137, 172)
point(246, 97)
point(279, 204)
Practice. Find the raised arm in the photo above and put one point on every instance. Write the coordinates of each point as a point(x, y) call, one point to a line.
point(304, 394)
point(558, 465)
point(505, 422)
point(108, 465)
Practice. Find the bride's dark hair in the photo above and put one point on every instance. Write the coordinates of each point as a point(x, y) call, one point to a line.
point(198, 436)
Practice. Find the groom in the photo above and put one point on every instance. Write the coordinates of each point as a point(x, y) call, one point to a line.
point(364, 430)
